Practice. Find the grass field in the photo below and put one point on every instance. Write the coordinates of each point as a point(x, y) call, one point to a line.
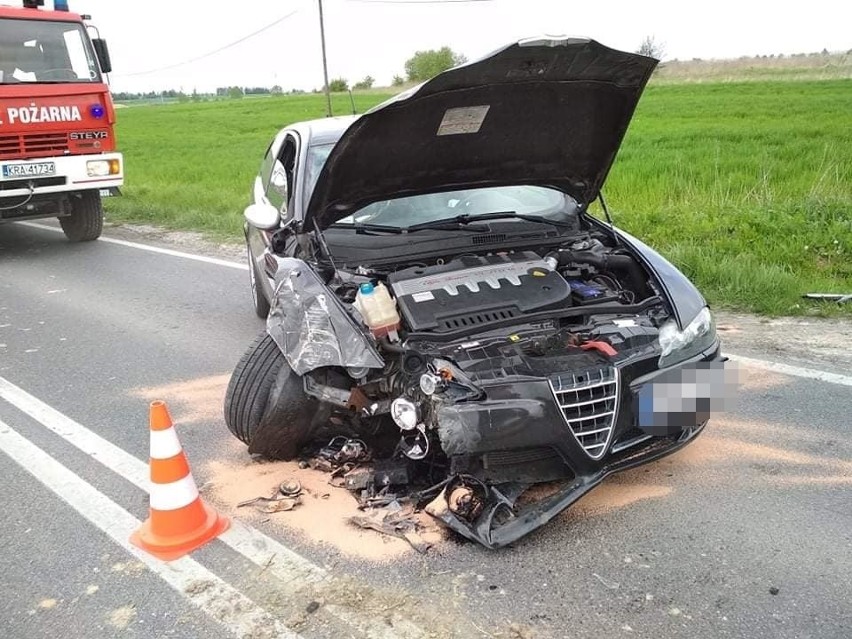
point(745, 186)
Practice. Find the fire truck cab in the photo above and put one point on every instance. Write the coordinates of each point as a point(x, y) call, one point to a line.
point(57, 139)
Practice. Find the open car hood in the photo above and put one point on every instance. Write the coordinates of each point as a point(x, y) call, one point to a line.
point(545, 111)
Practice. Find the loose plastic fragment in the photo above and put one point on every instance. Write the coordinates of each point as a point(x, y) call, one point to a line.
point(278, 505)
point(286, 496)
point(394, 524)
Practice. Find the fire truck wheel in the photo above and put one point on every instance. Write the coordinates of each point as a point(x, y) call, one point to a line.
point(87, 217)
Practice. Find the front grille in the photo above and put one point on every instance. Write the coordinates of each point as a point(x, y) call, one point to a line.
point(33, 145)
point(524, 465)
point(589, 401)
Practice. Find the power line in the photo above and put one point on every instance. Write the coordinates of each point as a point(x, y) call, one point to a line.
point(219, 50)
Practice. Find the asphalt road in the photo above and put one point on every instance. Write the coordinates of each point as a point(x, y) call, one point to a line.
point(745, 533)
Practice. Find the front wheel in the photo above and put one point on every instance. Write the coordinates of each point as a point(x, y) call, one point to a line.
point(266, 405)
point(86, 221)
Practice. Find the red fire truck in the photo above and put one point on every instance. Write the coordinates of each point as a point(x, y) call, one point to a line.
point(57, 139)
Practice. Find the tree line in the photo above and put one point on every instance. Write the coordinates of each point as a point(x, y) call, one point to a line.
point(421, 66)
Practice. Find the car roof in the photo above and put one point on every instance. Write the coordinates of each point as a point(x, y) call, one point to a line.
point(324, 130)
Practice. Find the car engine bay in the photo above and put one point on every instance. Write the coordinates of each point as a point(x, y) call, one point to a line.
point(460, 295)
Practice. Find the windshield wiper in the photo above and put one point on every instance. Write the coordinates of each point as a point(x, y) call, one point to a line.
point(367, 228)
point(465, 222)
point(462, 220)
point(436, 225)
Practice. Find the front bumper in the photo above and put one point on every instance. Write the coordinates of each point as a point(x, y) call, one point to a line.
point(70, 175)
point(521, 436)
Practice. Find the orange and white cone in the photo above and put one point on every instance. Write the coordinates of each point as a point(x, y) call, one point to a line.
point(179, 521)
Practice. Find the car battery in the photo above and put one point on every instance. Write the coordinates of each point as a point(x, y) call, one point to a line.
point(591, 292)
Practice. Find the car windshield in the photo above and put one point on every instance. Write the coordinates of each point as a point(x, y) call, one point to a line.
point(524, 200)
point(35, 51)
point(317, 155)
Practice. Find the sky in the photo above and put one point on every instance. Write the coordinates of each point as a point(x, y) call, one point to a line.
point(375, 37)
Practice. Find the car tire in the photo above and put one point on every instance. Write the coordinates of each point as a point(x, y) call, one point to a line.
point(86, 221)
point(259, 301)
point(266, 405)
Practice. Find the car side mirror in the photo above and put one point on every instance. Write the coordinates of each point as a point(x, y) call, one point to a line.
point(262, 216)
point(102, 52)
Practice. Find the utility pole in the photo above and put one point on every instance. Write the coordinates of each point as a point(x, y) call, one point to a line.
point(324, 63)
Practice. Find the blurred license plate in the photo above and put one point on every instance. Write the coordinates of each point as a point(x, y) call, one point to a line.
point(686, 396)
point(30, 169)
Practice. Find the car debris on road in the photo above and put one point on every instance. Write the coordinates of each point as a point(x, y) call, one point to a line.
point(349, 465)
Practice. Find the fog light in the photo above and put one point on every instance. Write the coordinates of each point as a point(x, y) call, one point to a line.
point(430, 383)
point(404, 413)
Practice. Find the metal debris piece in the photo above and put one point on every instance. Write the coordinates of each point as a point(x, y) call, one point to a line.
point(393, 524)
point(466, 499)
point(380, 501)
point(317, 495)
point(358, 479)
point(320, 464)
point(272, 505)
point(277, 505)
point(339, 456)
point(342, 449)
point(391, 472)
point(384, 473)
point(286, 496)
point(290, 488)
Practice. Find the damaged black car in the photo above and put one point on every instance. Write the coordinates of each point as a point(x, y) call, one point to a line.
point(432, 276)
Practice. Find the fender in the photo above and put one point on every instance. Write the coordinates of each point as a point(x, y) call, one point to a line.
point(311, 326)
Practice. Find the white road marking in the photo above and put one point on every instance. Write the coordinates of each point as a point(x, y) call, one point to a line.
point(220, 601)
point(288, 566)
point(795, 371)
point(149, 248)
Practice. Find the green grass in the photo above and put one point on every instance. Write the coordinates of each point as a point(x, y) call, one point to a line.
point(191, 165)
point(746, 186)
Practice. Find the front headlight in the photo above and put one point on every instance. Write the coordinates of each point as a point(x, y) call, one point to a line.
point(679, 345)
point(102, 168)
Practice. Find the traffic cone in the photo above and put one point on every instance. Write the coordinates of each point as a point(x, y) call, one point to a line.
point(179, 521)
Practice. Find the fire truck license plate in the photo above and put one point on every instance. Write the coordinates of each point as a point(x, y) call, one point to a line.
point(31, 169)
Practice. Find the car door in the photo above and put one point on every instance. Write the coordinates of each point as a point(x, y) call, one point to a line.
point(274, 186)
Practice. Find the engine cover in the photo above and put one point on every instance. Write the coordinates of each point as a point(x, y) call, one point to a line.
point(472, 290)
